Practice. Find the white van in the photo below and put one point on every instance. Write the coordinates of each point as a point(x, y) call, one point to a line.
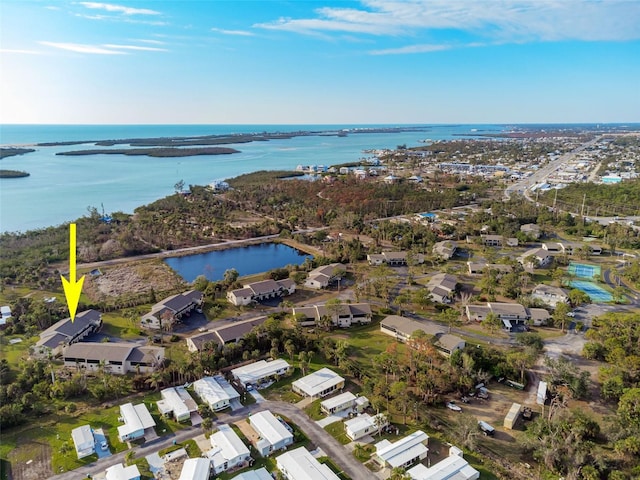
point(486, 428)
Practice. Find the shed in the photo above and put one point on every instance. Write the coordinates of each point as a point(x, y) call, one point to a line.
point(512, 417)
point(541, 396)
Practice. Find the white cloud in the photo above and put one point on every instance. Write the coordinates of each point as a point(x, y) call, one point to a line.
point(19, 51)
point(243, 33)
point(83, 48)
point(135, 47)
point(151, 42)
point(504, 20)
point(109, 7)
point(51, 7)
point(421, 48)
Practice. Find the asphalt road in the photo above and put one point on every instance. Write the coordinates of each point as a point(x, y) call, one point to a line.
point(318, 436)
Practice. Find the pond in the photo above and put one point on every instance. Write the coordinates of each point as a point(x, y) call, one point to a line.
point(247, 260)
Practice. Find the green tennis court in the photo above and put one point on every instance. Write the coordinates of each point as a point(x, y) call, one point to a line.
point(584, 270)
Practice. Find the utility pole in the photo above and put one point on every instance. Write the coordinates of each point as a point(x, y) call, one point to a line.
point(584, 198)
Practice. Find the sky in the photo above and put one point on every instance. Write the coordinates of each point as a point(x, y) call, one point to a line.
point(320, 62)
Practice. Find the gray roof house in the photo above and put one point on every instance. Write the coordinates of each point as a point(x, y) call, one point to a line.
point(169, 311)
point(66, 332)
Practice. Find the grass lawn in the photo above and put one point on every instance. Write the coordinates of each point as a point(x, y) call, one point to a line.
point(16, 352)
point(338, 471)
point(118, 326)
point(313, 410)
point(367, 341)
point(189, 445)
point(336, 430)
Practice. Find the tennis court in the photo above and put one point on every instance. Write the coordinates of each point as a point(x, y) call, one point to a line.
point(584, 270)
point(596, 293)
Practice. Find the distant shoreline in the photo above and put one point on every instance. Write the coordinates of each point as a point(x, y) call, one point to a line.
point(155, 152)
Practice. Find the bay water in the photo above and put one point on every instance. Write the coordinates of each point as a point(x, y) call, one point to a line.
point(62, 188)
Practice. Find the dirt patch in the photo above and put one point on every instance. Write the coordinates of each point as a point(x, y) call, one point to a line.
point(31, 461)
point(136, 277)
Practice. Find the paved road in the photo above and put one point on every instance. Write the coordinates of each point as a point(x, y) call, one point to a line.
point(318, 436)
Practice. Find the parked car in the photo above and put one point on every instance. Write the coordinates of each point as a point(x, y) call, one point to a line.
point(454, 407)
point(104, 445)
point(486, 429)
point(527, 413)
point(571, 314)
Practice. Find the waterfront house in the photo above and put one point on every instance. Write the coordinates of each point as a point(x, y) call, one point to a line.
point(364, 424)
point(227, 450)
point(299, 464)
point(216, 392)
point(137, 420)
point(338, 403)
point(325, 275)
point(272, 434)
point(177, 402)
point(67, 332)
point(259, 291)
point(113, 357)
point(318, 384)
point(83, 441)
point(342, 315)
point(165, 314)
point(258, 372)
point(402, 453)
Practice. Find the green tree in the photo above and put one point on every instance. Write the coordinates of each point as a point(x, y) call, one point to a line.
point(560, 316)
point(491, 322)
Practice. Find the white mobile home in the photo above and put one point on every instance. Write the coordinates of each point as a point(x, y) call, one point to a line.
point(272, 434)
point(83, 441)
point(177, 402)
point(452, 467)
point(404, 452)
point(344, 401)
point(136, 419)
point(120, 472)
point(227, 450)
point(299, 464)
point(215, 392)
point(318, 384)
point(255, 373)
point(195, 469)
point(259, 474)
point(364, 424)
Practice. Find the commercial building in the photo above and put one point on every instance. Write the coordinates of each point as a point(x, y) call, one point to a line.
point(318, 384)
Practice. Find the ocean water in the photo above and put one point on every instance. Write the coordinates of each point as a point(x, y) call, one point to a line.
point(62, 188)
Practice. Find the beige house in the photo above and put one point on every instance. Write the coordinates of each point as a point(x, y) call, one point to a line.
point(394, 259)
point(549, 294)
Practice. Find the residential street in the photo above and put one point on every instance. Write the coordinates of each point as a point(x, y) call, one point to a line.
point(318, 436)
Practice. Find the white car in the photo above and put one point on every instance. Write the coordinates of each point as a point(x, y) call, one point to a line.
point(571, 314)
point(104, 445)
point(453, 406)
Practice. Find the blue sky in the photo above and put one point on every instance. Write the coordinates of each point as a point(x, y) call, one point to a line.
point(378, 61)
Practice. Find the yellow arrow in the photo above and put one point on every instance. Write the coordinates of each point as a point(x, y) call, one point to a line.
point(72, 289)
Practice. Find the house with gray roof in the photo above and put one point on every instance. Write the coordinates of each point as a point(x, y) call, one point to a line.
point(325, 275)
point(445, 250)
point(549, 294)
point(171, 310)
point(231, 333)
point(114, 357)
point(342, 315)
point(67, 332)
point(394, 259)
point(442, 287)
point(260, 291)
